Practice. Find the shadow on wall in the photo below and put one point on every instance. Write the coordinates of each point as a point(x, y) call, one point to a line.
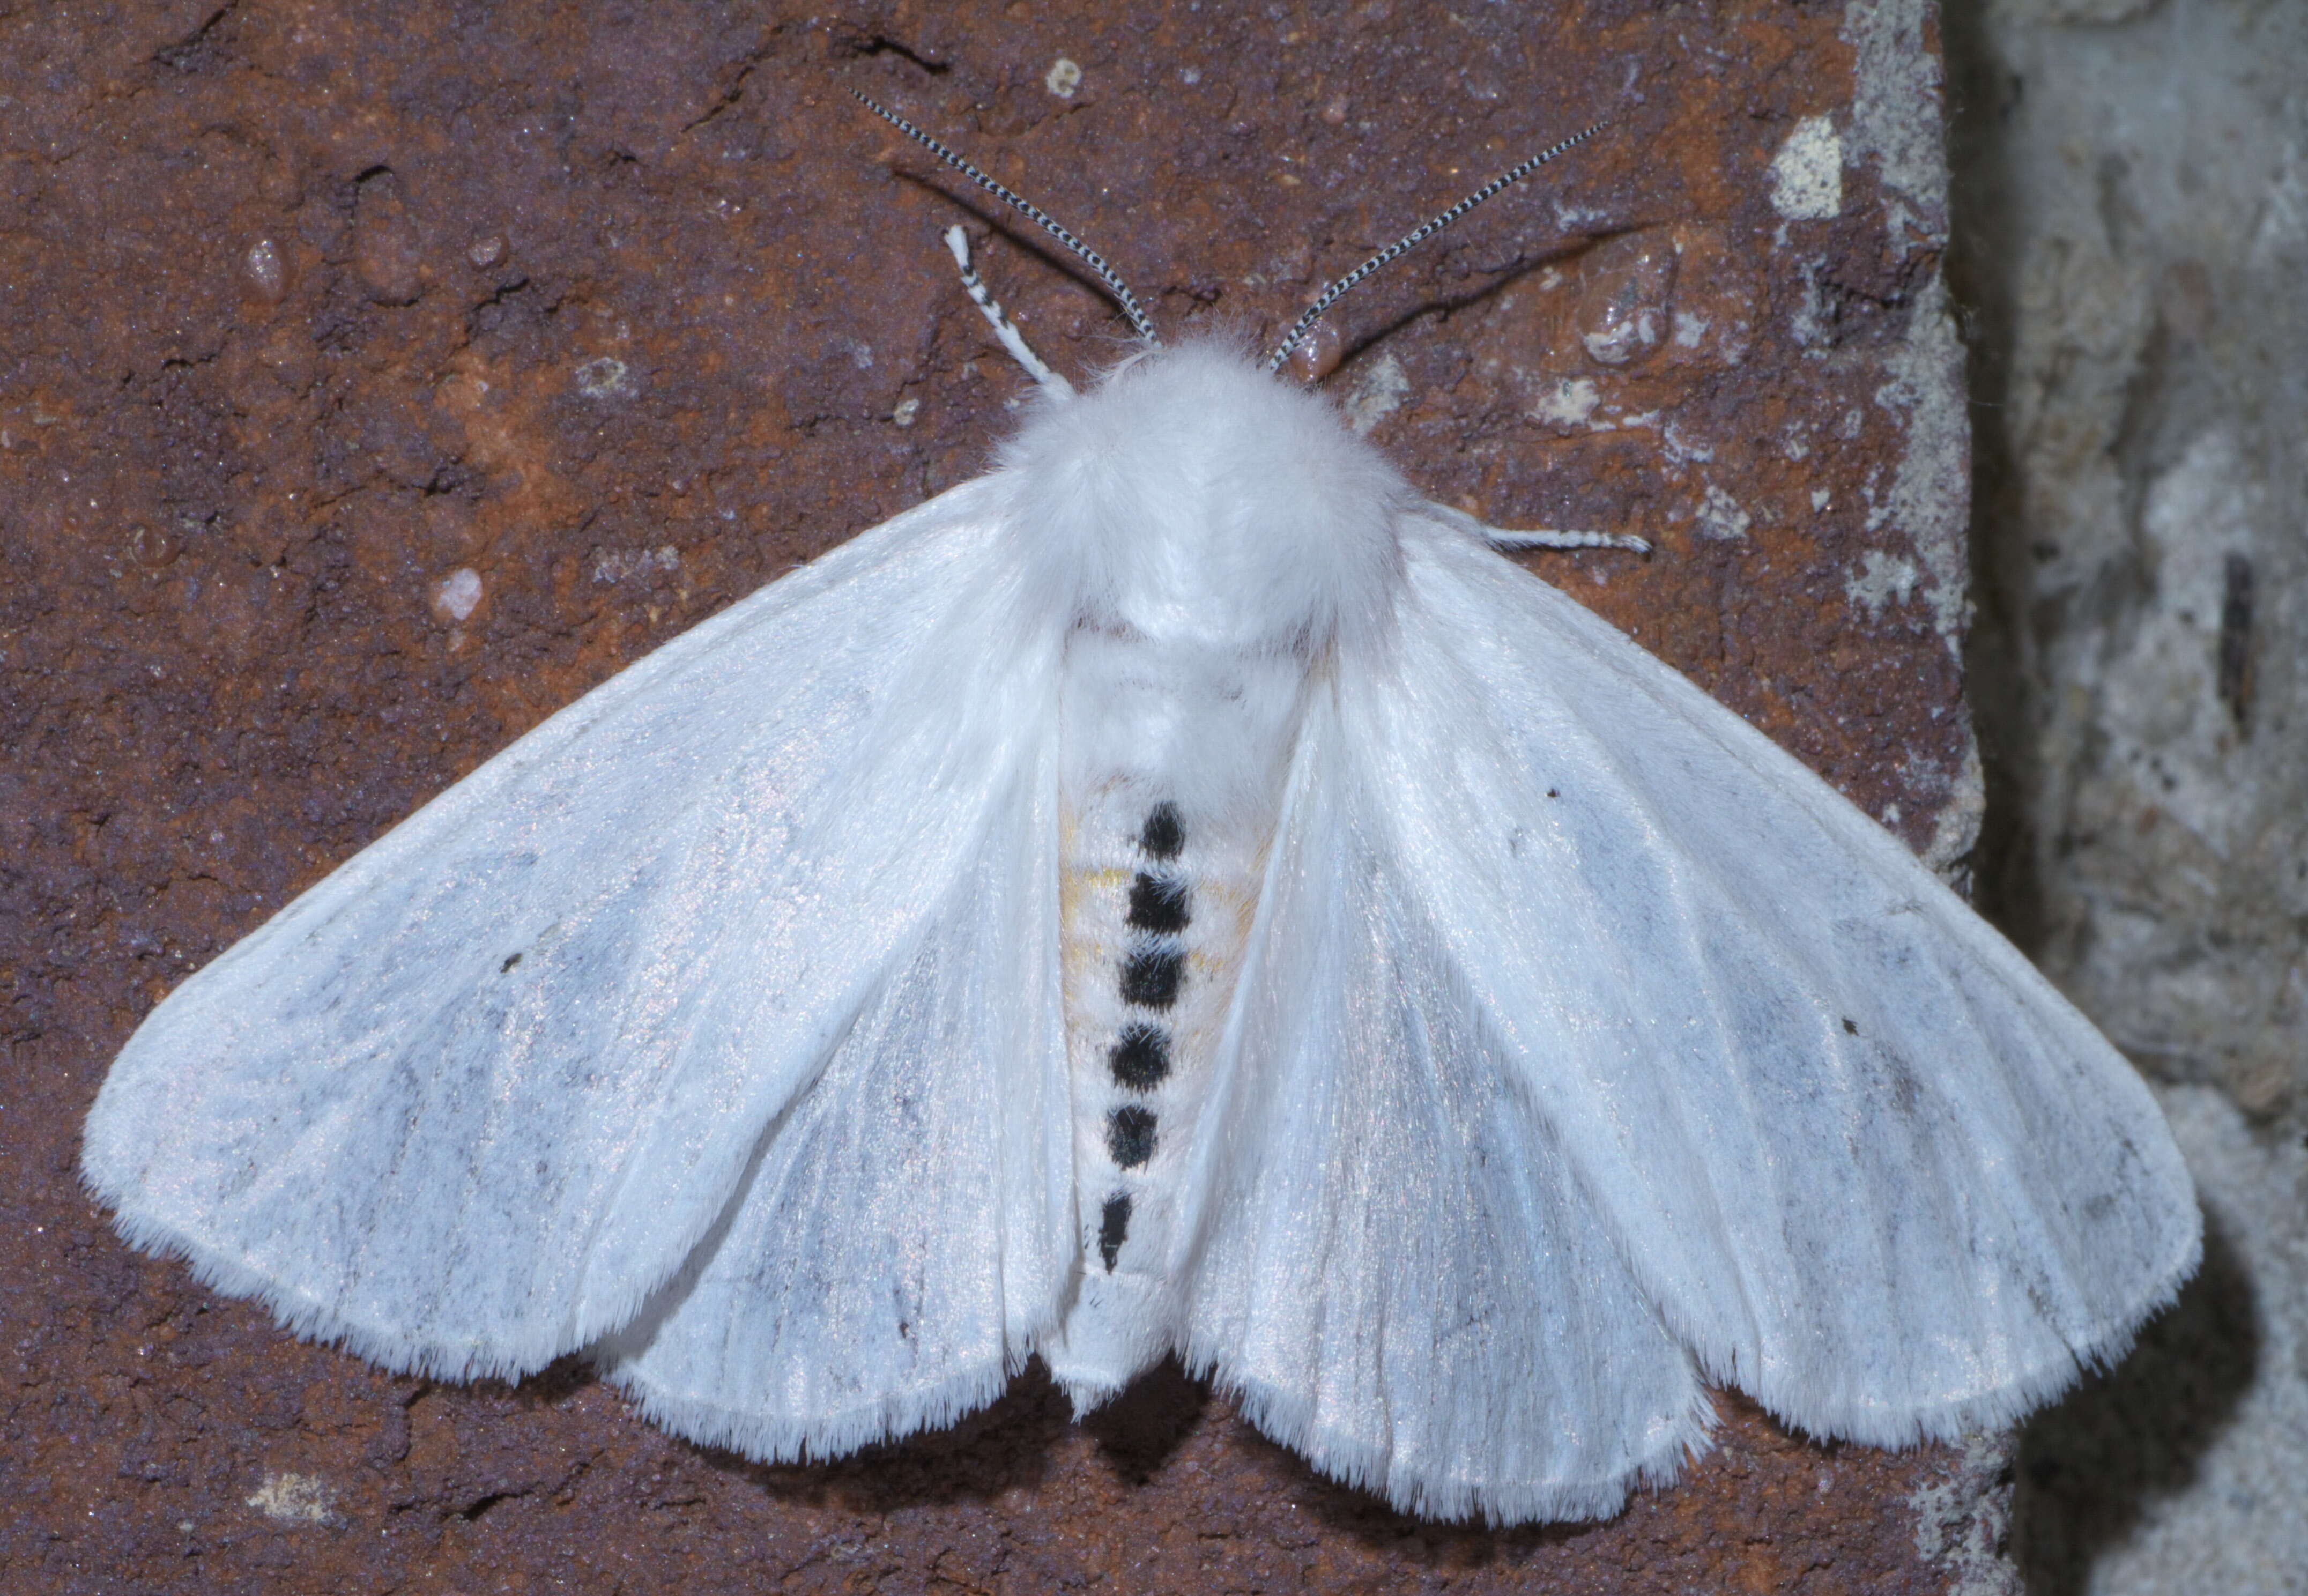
point(2088, 1467)
point(1982, 97)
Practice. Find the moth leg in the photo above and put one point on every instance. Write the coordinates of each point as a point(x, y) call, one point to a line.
point(1499, 537)
point(1003, 327)
point(1549, 538)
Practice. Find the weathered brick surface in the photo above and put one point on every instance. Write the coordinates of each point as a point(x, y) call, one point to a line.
point(305, 309)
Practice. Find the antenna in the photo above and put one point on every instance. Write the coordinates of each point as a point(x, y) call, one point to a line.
point(1089, 257)
point(1412, 239)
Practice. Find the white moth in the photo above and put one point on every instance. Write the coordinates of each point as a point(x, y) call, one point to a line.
point(1183, 892)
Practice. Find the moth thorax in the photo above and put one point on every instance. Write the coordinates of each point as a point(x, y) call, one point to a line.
point(1192, 496)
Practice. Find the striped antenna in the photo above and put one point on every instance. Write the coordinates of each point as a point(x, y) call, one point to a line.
point(1415, 238)
point(1048, 224)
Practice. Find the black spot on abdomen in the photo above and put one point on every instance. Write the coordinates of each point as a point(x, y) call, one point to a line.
point(1130, 1135)
point(1140, 1058)
point(1164, 833)
point(1113, 1228)
point(1150, 977)
point(1159, 904)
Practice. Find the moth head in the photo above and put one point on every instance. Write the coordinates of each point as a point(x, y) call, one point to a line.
point(1193, 497)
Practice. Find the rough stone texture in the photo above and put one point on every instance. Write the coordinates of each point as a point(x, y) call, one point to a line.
point(2133, 193)
point(373, 380)
point(2147, 487)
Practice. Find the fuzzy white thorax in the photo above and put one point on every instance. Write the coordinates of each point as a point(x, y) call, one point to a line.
point(1194, 498)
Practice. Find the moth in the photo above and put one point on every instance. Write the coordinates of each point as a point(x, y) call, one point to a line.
point(1183, 892)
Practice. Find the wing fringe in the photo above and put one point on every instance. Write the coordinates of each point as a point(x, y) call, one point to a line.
point(1365, 1466)
point(825, 1437)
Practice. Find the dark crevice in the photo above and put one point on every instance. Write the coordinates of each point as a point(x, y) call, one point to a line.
point(506, 303)
point(2235, 683)
point(1849, 308)
point(735, 91)
point(198, 50)
point(452, 477)
point(179, 363)
point(474, 1512)
point(502, 292)
point(856, 44)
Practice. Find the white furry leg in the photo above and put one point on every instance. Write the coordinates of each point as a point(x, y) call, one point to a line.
point(1004, 329)
point(1549, 538)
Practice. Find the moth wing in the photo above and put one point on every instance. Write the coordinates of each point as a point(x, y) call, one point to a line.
point(1385, 1254)
point(857, 1284)
point(473, 1101)
point(1864, 1158)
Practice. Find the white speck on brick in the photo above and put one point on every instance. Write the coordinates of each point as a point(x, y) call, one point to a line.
point(1681, 448)
point(1807, 173)
point(1569, 403)
point(458, 594)
point(617, 565)
point(295, 1499)
point(1720, 516)
point(606, 377)
point(1882, 578)
point(1380, 392)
